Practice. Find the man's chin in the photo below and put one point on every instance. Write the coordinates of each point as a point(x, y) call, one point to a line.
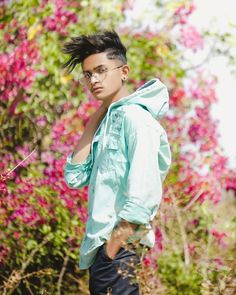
point(99, 96)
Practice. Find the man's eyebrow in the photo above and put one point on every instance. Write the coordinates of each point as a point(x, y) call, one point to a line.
point(97, 67)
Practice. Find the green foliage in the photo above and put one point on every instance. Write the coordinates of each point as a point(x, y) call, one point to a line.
point(44, 245)
point(179, 278)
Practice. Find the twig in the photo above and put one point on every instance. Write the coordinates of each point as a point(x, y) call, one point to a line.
point(28, 288)
point(21, 162)
point(66, 259)
point(182, 231)
point(33, 252)
point(193, 200)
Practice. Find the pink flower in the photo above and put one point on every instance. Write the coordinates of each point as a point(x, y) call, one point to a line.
point(219, 236)
point(61, 18)
point(182, 13)
point(3, 188)
point(82, 213)
point(147, 261)
point(150, 259)
point(230, 180)
point(177, 96)
point(25, 213)
point(191, 249)
point(191, 38)
point(159, 240)
point(16, 72)
point(41, 121)
point(43, 203)
point(218, 261)
point(4, 251)
point(16, 235)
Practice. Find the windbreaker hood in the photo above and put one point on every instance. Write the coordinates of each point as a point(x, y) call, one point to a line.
point(153, 96)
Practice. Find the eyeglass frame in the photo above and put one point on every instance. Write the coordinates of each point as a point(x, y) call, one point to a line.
point(97, 76)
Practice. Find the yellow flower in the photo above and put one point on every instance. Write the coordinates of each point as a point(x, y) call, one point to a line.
point(33, 31)
point(65, 79)
point(173, 5)
point(162, 50)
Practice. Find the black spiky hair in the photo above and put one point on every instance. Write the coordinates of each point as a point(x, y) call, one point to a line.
point(83, 46)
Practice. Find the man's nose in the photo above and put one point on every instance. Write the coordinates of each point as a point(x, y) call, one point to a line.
point(94, 79)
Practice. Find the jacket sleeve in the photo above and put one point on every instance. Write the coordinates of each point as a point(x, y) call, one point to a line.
point(78, 175)
point(144, 185)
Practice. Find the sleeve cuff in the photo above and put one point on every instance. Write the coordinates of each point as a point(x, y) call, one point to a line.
point(135, 213)
point(86, 164)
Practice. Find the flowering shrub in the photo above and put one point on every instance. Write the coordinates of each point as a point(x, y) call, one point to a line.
point(43, 113)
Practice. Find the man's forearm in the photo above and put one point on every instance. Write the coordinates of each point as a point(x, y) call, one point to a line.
point(82, 149)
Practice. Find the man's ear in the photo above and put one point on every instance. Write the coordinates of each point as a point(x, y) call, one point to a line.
point(125, 72)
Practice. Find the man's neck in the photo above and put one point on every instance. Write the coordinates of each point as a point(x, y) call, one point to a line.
point(119, 95)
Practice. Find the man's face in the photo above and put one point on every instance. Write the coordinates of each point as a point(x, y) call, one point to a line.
point(106, 80)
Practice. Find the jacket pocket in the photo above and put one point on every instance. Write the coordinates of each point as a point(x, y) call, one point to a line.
point(113, 142)
point(112, 154)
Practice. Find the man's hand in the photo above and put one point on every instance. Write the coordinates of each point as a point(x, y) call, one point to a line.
point(112, 248)
point(119, 238)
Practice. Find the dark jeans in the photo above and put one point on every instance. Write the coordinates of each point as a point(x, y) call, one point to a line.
point(116, 276)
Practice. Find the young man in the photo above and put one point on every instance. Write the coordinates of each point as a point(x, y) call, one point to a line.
point(124, 156)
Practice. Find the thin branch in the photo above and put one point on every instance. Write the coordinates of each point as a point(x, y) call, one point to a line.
point(28, 288)
point(21, 162)
point(33, 252)
point(66, 259)
point(4, 176)
point(182, 231)
point(193, 200)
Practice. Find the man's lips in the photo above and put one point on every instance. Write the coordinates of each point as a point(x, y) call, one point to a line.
point(96, 89)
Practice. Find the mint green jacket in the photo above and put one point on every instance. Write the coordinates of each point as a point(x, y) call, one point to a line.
point(129, 159)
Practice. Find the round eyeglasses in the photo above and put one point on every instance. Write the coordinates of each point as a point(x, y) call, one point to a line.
point(99, 75)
